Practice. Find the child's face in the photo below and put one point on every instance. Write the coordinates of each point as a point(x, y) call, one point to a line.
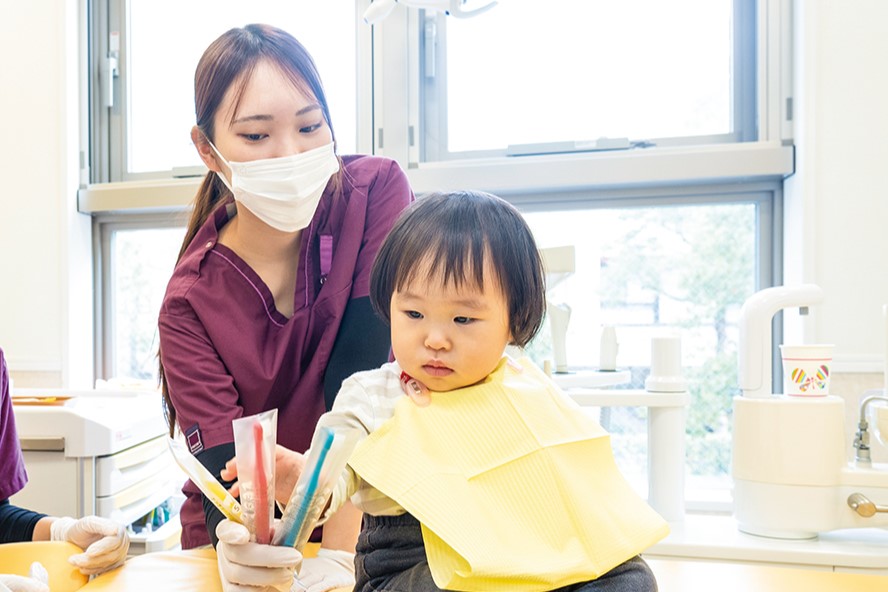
point(448, 338)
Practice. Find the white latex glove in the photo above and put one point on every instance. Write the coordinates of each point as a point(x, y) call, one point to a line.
point(250, 566)
point(104, 541)
point(37, 582)
point(330, 569)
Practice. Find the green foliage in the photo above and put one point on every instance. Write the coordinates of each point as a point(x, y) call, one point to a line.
point(704, 259)
point(712, 387)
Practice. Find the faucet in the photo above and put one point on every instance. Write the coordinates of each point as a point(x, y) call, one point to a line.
point(755, 332)
point(862, 438)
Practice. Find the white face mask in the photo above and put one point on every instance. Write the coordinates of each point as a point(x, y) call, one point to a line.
point(282, 192)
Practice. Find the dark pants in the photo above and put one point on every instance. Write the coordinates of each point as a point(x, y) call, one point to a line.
point(391, 558)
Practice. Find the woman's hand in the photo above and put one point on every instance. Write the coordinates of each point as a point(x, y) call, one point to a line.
point(250, 566)
point(288, 465)
point(37, 580)
point(105, 542)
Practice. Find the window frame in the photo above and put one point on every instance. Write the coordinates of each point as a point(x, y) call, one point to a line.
point(432, 27)
point(107, 127)
point(766, 195)
point(769, 157)
point(105, 227)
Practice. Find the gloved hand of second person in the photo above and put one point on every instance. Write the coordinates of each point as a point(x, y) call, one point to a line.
point(104, 542)
point(330, 569)
point(250, 566)
point(38, 581)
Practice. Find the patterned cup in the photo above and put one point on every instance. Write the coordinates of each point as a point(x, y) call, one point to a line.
point(806, 369)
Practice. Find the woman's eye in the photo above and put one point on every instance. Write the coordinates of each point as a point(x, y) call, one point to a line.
point(253, 137)
point(462, 320)
point(413, 314)
point(310, 128)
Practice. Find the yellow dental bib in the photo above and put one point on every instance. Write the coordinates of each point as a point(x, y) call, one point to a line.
point(515, 486)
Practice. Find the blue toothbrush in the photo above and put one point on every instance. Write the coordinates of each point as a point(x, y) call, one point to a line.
point(310, 489)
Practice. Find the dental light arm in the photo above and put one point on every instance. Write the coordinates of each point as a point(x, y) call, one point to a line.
point(379, 9)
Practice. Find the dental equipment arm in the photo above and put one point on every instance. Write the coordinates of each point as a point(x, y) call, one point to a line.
point(379, 9)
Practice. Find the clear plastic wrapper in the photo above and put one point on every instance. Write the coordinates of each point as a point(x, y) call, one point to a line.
point(329, 453)
point(206, 482)
point(255, 437)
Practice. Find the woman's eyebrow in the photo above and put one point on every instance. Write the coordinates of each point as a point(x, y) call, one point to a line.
point(253, 118)
point(265, 117)
point(307, 108)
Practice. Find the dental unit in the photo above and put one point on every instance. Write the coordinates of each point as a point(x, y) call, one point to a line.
point(791, 476)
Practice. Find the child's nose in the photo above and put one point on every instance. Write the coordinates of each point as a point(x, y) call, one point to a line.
point(437, 340)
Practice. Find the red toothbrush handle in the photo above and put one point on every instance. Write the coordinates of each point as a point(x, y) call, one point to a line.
point(260, 487)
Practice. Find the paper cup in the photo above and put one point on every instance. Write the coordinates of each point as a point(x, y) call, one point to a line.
point(806, 369)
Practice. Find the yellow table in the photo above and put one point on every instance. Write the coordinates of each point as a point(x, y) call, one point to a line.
point(176, 571)
point(169, 571)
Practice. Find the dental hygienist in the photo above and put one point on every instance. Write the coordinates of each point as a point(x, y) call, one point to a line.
point(104, 541)
point(268, 305)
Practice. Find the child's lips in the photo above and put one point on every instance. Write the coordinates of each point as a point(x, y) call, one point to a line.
point(436, 369)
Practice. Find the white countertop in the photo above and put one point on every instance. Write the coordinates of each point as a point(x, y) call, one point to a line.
point(716, 537)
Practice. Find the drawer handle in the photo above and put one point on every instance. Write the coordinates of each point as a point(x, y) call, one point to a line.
point(43, 444)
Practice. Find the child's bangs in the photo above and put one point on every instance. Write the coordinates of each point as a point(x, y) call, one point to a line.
point(452, 260)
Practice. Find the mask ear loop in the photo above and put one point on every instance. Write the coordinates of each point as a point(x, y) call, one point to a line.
point(220, 174)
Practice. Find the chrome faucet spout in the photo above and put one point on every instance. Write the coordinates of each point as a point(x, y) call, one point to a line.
point(862, 438)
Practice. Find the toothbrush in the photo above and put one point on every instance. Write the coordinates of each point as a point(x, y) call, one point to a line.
point(310, 491)
point(260, 484)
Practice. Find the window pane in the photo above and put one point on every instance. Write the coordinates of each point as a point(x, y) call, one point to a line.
point(644, 270)
point(577, 70)
point(142, 262)
point(164, 51)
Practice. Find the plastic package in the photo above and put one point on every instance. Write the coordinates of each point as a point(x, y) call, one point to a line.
point(255, 437)
point(206, 482)
point(329, 453)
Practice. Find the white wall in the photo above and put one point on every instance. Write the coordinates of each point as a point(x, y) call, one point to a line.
point(836, 206)
point(836, 221)
point(46, 310)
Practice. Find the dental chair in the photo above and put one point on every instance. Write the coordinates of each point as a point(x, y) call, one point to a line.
point(16, 559)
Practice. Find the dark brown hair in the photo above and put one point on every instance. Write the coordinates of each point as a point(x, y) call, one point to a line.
point(455, 232)
point(231, 60)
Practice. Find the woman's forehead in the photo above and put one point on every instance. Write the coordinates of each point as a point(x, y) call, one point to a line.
point(258, 88)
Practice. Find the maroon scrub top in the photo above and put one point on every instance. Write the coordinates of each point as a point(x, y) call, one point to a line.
point(226, 350)
point(12, 476)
